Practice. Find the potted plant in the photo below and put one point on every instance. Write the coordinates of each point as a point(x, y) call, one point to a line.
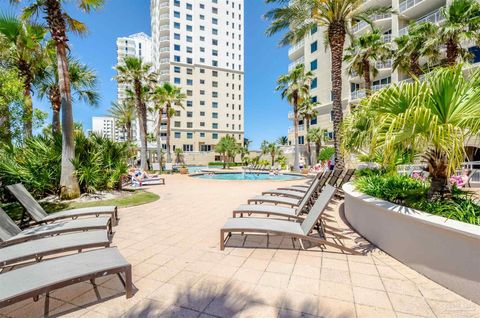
point(183, 169)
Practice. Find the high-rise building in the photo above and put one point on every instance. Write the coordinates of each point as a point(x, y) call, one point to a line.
point(198, 46)
point(311, 53)
point(106, 127)
point(138, 45)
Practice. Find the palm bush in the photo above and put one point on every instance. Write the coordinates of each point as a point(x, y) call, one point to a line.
point(99, 164)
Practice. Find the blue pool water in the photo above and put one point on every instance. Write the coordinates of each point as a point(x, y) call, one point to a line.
point(249, 176)
point(195, 169)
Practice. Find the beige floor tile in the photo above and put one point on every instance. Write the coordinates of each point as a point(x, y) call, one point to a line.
point(304, 284)
point(269, 295)
point(336, 276)
point(336, 290)
point(328, 307)
point(301, 302)
point(307, 271)
point(226, 271)
point(403, 287)
point(362, 268)
point(258, 311)
point(335, 264)
point(410, 305)
point(374, 312)
point(248, 275)
point(256, 264)
point(371, 297)
point(279, 267)
point(286, 313)
point(274, 280)
point(367, 281)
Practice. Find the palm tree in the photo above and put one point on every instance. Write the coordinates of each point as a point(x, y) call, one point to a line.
point(282, 140)
point(228, 148)
point(462, 23)
point(299, 17)
point(434, 118)
point(170, 96)
point(178, 155)
point(138, 75)
point(11, 91)
point(307, 111)
point(83, 81)
point(417, 44)
point(317, 136)
point(58, 21)
point(23, 41)
point(363, 54)
point(125, 114)
point(246, 143)
point(295, 87)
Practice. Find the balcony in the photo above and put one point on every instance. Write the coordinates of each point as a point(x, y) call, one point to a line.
point(405, 5)
point(164, 27)
point(386, 38)
point(384, 64)
point(360, 93)
point(291, 130)
point(433, 17)
point(295, 63)
point(297, 50)
point(375, 18)
point(415, 9)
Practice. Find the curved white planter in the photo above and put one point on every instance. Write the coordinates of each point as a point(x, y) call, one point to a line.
point(446, 251)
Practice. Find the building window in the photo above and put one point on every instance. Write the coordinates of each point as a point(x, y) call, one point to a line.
point(189, 124)
point(189, 17)
point(176, 124)
point(301, 140)
point(176, 69)
point(189, 135)
point(314, 83)
point(176, 25)
point(205, 147)
point(187, 148)
point(189, 103)
point(215, 105)
point(313, 65)
point(189, 82)
point(202, 114)
point(176, 58)
point(177, 135)
point(202, 135)
point(313, 47)
point(189, 28)
point(214, 136)
point(177, 80)
point(214, 115)
point(189, 114)
point(176, 36)
point(176, 14)
point(214, 126)
point(176, 47)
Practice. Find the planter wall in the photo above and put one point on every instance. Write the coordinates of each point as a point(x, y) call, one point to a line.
point(446, 251)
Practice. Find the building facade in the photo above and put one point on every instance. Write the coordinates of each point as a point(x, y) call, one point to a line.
point(310, 51)
point(106, 127)
point(199, 47)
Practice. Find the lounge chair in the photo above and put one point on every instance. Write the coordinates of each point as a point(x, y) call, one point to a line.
point(335, 175)
point(148, 181)
point(293, 192)
point(38, 214)
point(301, 231)
point(10, 233)
point(41, 278)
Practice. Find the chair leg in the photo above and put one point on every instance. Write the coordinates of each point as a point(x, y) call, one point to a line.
point(47, 305)
point(128, 282)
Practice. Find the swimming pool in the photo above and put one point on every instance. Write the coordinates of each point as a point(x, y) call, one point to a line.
point(195, 169)
point(249, 176)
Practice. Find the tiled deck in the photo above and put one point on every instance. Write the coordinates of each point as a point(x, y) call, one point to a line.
point(180, 272)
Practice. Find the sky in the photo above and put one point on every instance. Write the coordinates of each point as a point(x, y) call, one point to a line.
point(265, 111)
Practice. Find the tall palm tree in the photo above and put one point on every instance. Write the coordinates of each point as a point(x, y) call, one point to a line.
point(363, 54)
point(462, 23)
point(295, 87)
point(170, 96)
point(83, 81)
point(59, 22)
point(124, 113)
point(11, 90)
point(307, 111)
point(138, 75)
point(433, 118)
point(24, 42)
point(416, 44)
point(299, 17)
point(317, 136)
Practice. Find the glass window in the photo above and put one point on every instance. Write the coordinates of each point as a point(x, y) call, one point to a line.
point(176, 69)
point(189, 28)
point(214, 136)
point(176, 80)
point(176, 47)
point(176, 36)
point(215, 126)
point(189, 135)
point(313, 65)
point(189, 114)
point(176, 25)
point(214, 115)
point(314, 83)
point(178, 135)
point(176, 14)
point(313, 47)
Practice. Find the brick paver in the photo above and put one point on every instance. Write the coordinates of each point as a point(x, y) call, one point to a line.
point(179, 270)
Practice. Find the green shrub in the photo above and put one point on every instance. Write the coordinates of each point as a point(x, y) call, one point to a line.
point(220, 164)
point(99, 164)
point(412, 193)
point(367, 172)
point(326, 153)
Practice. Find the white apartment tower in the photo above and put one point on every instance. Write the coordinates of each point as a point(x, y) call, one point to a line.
point(106, 127)
point(138, 45)
point(198, 46)
point(311, 53)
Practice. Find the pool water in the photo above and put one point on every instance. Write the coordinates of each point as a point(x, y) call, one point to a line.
point(195, 169)
point(249, 176)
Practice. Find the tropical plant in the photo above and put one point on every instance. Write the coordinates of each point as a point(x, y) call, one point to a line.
point(363, 54)
point(83, 83)
point(138, 75)
point(228, 148)
point(433, 118)
point(412, 47)
point(24, 42)
point(246, 143)
point(59, 22)
point(282, 140)
point(317, 136)
point(295, 87)
point(462, 23)
point(170, 96)
point(124, 113)
point(272, 149)
point(178, 155)
point(10, 94)
point(299, 17)
point(308, 112)
point(325, 154)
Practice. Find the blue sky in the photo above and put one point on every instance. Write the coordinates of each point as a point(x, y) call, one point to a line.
point(265, 112)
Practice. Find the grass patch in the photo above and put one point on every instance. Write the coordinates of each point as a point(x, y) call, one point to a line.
point(14, 210)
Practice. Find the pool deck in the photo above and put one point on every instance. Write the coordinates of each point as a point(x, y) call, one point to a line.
point(179, 270)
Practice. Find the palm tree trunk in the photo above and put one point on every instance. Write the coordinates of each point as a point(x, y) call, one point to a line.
point(366, 77)
point(296, 161)
point(309, 149)
point(128, 127)
point(336, 37)
point(56, 102)
point(159, 139)
point(416, 69)
point(27, 112)
point(142, 120)
point(5, 133)
point(452, 52)
point(69, 188)
point(317, 150)
point(169, 155)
